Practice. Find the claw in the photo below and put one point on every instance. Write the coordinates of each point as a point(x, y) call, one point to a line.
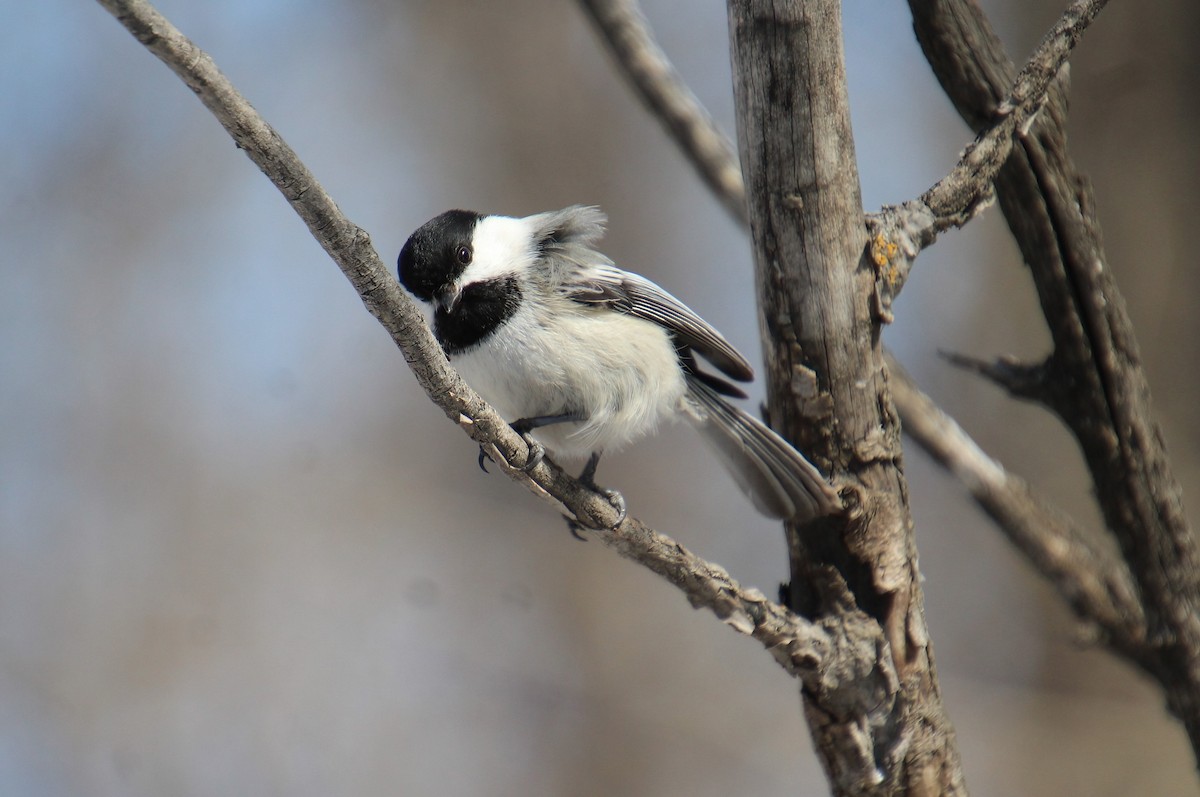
point(537, 452)
point(618, 503)
point(574, 527)
point(614, 498)
point(588, 479)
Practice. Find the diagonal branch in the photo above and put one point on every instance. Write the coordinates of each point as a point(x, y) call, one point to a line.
point(899, 232)
point(1096, 383)
point(1090, 579)
point(808, 651)
point(624, 29)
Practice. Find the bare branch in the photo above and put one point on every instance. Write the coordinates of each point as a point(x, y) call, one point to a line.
point(628, 35)
point(1089, 578)
point(804, 649)
point(623, 28)
point(1019, 379)
point(1099, 388)
point(901, 231)
point(959, 190)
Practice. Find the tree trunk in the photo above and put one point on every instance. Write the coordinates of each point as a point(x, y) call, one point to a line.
point(828, 393)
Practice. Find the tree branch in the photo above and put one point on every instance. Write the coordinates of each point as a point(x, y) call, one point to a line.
point(1100, 389)
point(899, 232)
point(623, 28)
point(809, 651)
point(1089, 578)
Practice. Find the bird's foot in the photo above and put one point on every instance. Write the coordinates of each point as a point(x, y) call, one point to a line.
point(588, 479)
point(537, 452)
point(575, 528)
point(618, 503)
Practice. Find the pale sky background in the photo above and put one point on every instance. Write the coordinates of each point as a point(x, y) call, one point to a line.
point(240, 551)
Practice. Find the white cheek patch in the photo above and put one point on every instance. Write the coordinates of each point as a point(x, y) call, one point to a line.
point(501, 247)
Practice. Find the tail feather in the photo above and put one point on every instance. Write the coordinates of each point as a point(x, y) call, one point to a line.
point(778, 479)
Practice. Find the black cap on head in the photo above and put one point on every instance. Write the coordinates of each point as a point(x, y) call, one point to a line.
point(436, 254)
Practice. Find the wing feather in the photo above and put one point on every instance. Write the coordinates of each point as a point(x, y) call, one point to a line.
point(631, 293)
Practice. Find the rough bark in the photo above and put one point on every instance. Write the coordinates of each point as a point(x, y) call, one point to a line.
point(828, 389)
point(1093, 379)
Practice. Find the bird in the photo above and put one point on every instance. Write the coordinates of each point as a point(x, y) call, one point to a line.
point(581, 357)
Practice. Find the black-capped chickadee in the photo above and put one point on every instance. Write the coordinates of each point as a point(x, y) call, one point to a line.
point(583, 357)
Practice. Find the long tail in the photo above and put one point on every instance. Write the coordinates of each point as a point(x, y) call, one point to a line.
point(778, 479)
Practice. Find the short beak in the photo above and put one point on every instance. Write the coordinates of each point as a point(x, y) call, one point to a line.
point(447, 297)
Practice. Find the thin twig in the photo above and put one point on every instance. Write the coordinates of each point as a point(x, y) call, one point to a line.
point(624, 29)
point(806, 650)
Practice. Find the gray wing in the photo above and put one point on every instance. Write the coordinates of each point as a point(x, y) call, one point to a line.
point(630, 293)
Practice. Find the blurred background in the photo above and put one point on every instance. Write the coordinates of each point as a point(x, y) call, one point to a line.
point(240, 551)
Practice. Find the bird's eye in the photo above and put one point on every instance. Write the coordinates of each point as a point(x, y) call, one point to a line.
point(464, 255)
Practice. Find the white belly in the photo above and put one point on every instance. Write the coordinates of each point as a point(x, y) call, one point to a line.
point(621, 373)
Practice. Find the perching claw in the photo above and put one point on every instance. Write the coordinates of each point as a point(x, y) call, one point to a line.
point(618, 503)
point(537, 452)
point(574, 527)
point(588, 479)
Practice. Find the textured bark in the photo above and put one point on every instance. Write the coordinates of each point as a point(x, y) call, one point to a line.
point(900, 232)
point(858, 644)
point(1093, 379)
point(828, 389)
